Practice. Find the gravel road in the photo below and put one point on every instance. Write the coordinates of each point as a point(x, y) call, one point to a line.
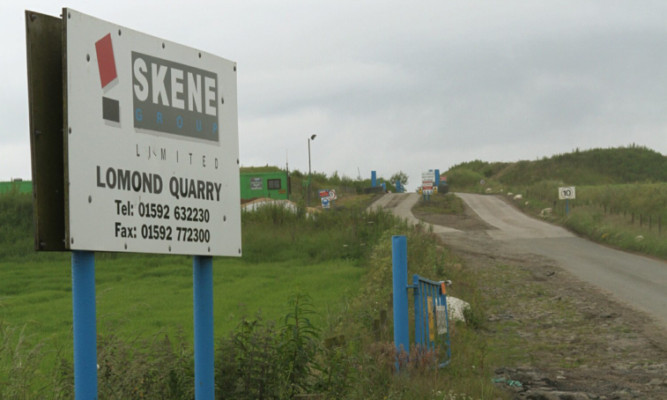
point(638, 281)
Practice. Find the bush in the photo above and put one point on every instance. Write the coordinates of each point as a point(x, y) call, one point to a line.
point(140, 369)
point(464, 178)
point(261, 361)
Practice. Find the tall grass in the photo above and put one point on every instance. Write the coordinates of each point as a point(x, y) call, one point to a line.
point(15, 224)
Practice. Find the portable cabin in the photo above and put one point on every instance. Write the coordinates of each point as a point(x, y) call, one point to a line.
point(272, 185)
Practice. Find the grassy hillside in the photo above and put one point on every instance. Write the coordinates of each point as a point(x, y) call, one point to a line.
point(590, 167)
point(621, 193)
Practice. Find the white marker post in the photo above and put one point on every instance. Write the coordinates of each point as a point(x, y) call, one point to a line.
point(566, 193)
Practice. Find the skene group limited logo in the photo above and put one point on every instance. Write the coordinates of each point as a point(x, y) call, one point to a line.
point(168, 97)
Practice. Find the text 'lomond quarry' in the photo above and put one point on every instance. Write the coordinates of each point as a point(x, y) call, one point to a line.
point(145, 182)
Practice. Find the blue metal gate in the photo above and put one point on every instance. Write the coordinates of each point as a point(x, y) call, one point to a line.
point(431, 316)
point(430, 304)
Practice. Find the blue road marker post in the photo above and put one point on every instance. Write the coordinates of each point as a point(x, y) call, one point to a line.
point(84, 325)
point(203, 320)
point(400, 297)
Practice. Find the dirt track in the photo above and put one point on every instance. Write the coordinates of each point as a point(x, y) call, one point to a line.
point(580, 341)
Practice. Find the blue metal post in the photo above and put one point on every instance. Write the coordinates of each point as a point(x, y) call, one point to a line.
point(203, 320)
point(400, 286)
point(443, 301)
point(84, 326)
point(427, 320)
point(437, 177)
point(398, 186)
point(419, 316)
point(373, 179)
point(567, 207)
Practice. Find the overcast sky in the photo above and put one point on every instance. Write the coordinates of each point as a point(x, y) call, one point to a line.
point(399, 85)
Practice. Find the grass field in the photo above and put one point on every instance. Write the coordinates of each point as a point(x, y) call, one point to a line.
point(145, 295)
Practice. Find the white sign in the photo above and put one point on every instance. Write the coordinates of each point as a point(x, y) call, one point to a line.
point(428, 181)
point(566, 193)
point(255, 183)
point(151, 146)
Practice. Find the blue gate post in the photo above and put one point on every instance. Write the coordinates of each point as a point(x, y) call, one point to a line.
point(84, 325)
point(400, 297)
point(203, 320)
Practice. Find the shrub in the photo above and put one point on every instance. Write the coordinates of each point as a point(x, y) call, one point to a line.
point(261, 361)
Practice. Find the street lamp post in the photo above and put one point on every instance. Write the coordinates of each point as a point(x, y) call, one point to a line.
point(312, 137)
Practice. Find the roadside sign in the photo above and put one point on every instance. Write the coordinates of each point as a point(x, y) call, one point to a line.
point(151, 144)
point(328, 194)
point(428, 181)
point(565, 193)
point(326, 203)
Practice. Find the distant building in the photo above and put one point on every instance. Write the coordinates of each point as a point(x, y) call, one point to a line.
point(273, 185)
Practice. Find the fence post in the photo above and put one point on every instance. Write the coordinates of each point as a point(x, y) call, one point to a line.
point(400, 290)
point(419, 311)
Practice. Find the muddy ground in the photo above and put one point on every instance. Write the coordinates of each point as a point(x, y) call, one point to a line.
point(561, 338)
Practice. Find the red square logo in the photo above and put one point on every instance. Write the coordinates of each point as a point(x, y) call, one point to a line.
point(105, 60)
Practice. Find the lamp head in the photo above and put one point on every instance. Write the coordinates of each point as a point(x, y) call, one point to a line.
point(312, 137)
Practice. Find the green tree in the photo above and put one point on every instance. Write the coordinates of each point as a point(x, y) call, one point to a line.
point(399, 176)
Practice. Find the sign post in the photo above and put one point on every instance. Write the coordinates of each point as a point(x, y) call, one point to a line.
point(203, 320)
point(142, 157)
point(399, 245)
point(566, 193)
point(84, 325)
point(428, 180)
point(327, 197)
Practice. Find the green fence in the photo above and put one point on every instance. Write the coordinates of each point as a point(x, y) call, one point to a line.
point(16, 187)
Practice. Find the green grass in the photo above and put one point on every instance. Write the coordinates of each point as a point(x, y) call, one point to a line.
point(440, 204)
point(142, 296)
point(588, 167)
